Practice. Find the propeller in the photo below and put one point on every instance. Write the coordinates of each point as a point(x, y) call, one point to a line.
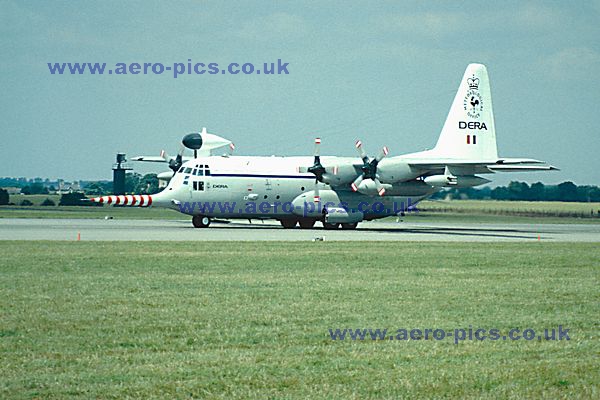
point(317, 169)
point(176, 162)
point(369, 168)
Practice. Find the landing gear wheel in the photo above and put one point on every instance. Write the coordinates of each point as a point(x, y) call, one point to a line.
point(200, 221)
point(329, 226)
point(307, 223)
point(289, 223)
point(349, 226)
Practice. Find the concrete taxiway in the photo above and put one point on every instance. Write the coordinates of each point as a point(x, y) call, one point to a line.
point(181, 230)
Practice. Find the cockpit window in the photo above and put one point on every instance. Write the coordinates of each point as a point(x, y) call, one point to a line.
point(180, 169)
point(188, 170)
point(203, 170)
point(195, 171)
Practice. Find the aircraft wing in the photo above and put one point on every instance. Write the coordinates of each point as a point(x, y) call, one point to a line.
point(148, 158)
point(156, 159)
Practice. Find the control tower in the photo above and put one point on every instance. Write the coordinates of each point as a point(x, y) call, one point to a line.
point(119, 170)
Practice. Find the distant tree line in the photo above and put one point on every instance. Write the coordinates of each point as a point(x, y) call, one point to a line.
point(566, 191)
point(134, 183)
point(35, 188)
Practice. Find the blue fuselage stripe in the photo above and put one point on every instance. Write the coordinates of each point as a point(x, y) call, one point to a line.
point(264, 176)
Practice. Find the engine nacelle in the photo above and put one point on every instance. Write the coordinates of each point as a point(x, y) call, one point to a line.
point(337, 215)
point(306, 206)
point(394, 170)
point(369, 188)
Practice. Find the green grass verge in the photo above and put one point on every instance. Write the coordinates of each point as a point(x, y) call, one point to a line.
point(231, 320)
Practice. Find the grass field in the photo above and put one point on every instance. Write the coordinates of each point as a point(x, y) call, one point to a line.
point(231, 320)
point(515, 208)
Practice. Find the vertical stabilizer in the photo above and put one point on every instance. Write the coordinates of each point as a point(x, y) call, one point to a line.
point(469, 131)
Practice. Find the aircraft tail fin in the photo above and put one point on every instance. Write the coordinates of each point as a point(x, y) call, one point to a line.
point(469, 131)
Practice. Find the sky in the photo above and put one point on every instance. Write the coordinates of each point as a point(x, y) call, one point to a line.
point(383, 72)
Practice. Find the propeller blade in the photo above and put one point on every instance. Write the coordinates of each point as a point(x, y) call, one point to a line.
point(361, 150)
point(379, 186)
point(356, 182)
point(384, 152)
point(317, 152)
point(317, 198)
point(165, 156)
point(176, 162)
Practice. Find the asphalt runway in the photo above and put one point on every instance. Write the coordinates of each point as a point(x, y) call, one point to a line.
point(181, 230)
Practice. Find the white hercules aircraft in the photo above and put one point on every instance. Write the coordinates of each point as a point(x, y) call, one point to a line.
point(341, 191)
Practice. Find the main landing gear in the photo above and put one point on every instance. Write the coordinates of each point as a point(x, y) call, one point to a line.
point(308, 223)
point(305, 223)
point(200, 221)
point(347, 226)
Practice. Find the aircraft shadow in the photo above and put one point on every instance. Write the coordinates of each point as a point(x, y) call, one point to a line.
point(510, 233)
